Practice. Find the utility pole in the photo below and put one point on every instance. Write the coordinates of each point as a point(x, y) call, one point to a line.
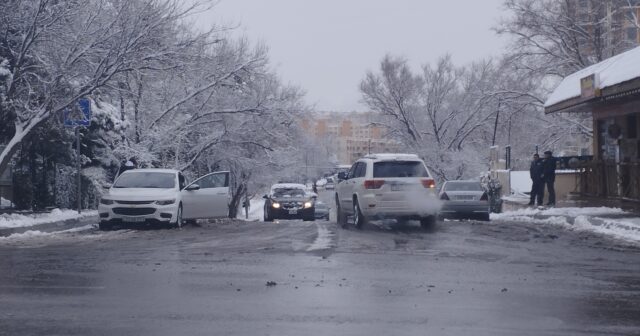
point(79, 178)
point(495, 127)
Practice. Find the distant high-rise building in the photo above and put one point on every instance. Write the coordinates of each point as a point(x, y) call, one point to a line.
point(350, 135)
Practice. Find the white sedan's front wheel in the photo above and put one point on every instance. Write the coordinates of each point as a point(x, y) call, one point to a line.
point(178, 223)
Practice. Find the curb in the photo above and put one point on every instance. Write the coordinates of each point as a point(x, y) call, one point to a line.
point(51, 227)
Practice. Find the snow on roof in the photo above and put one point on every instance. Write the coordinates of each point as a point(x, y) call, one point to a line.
point(612, 71)
point(151, 170)
point(288, 186)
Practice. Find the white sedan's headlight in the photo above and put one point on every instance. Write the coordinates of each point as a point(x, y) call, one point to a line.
point(106, 201)
point(307, 205)
point(276, 205)
point(166, 202)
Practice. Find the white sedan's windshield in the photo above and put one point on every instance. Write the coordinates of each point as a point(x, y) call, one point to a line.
point(146, 180)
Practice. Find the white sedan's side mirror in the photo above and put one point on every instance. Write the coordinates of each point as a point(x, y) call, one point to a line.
point(193, 187)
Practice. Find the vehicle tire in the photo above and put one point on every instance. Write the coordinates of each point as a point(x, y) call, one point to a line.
point(104, 226)
point(428, 223)
point(178, 223)
point(308, 219)
point(358, 218)
point(327, 218)
point(267, 216)
point(341, 216)
point(485, 217)
point(191, 221)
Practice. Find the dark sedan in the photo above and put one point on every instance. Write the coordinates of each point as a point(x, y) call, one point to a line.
point(289, 201)
point(464, 199)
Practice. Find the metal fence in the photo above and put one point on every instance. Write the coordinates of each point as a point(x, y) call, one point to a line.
point(610, 179)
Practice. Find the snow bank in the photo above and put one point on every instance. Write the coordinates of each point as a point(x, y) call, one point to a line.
point(612, 71)
point(16, 220)
point(568, 212)
point(592, 219)
point(627, 229)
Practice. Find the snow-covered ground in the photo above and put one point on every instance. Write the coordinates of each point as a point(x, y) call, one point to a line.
point(15, 220)
point(256, 210)
point(612, 222)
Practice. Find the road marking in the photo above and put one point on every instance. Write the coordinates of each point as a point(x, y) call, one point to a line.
point(324, 239)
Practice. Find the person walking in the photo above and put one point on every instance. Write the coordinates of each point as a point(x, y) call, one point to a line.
point(549, 176)
point(537, 185)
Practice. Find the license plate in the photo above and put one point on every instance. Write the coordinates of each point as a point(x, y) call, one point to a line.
point(293, 212)
point(133, 219)
point(397, 187)
point(465, 198)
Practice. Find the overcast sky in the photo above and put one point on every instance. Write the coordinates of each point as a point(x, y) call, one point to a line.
point(326, 46)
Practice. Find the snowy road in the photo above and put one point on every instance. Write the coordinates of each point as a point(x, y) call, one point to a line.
point(294, 277)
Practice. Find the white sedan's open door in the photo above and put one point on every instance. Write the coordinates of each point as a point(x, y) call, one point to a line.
point(207, 197)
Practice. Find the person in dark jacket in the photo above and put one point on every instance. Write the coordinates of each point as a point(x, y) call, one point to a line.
point(549, 176)
point(537, 185)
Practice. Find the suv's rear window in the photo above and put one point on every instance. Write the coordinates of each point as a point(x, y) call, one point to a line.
point(399, 169)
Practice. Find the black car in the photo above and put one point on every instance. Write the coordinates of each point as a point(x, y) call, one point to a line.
point(289, 201)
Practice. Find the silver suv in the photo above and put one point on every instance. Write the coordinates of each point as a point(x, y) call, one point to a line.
point(380, 186)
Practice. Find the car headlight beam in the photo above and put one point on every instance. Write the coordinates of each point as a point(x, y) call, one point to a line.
point(307, 205)
point(276, 205)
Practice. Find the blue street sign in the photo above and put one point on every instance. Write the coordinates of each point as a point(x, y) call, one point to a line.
point(79, 114)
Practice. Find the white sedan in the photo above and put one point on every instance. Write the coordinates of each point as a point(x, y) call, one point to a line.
point(163, 197)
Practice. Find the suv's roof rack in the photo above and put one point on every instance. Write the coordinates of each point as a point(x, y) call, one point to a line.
point(391, 156)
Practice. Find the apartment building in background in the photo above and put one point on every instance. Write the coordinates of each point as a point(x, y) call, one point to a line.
point(349, 135)
point(608, 27)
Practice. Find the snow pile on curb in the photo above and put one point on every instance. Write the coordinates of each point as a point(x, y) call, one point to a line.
point(15, 220)
point(38, 233)
point(594, 219)
point(627, 229)
point(568, 212)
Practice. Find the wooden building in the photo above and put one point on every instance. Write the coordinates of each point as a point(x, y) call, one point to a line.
point(610, 91)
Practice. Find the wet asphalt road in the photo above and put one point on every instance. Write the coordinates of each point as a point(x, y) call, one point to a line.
point(311, 278)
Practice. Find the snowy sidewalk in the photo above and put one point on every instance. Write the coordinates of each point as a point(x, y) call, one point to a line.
point(613, 222)
point(56, 219)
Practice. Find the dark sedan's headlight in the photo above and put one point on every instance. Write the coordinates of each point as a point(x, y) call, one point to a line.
point(308, 204)
point(106, 201)
point(166, 202)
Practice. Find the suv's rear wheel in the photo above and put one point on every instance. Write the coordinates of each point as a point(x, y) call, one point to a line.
point(358, 218)
point(341, 216)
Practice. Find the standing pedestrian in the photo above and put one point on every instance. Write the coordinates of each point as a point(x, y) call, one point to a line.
point(549, 176)
point(537, 185)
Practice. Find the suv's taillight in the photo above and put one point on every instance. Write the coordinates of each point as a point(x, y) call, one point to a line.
point(373, 184)
point(484, 197)
point(428, 183)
